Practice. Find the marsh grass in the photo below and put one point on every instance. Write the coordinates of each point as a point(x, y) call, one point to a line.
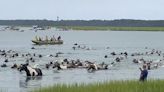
point(112, 86)
point(112, 28)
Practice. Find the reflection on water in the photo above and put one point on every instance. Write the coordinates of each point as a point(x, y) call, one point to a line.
point(100, 43)
point(30, 83)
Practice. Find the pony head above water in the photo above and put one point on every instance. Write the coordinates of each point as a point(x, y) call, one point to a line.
point(23, 67)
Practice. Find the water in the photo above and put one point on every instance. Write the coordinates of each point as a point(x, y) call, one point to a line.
point(96, 41)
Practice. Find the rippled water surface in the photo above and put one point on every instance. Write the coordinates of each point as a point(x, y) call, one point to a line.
point(96, 41)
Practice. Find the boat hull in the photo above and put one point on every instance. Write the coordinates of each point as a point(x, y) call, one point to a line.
point(47, 42)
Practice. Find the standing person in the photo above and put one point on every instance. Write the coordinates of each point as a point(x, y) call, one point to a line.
point(144, 73)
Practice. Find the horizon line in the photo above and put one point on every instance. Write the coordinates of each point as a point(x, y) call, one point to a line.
point(83, 19)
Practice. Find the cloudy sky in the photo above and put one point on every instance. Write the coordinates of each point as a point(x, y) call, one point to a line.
point(82, 9)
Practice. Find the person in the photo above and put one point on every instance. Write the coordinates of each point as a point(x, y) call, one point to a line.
point(46, 38)
point(40, 39)
point(36, 38)
point(51, 39)
point(54, 38)
point(144, 73)
point(59, 38)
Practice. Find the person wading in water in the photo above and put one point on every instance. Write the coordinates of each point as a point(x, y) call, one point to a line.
point(144, 73)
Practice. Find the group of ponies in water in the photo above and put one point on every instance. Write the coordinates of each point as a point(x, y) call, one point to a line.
point(36, 71)
point(69, 64)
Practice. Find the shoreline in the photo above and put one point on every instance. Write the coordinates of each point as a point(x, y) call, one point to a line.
point(82, 28)
point(108, 28)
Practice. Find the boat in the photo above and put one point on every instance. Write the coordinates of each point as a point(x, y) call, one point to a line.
point(51, 42)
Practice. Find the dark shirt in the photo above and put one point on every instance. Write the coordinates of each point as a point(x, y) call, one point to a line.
point(59, 38)
point(143, 75)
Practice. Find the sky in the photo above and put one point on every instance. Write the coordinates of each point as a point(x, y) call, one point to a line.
point(82, 9)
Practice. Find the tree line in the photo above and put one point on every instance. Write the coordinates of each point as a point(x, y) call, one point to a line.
point(115, 23)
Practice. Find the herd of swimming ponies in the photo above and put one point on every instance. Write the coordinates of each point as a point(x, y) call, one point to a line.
point(30, 61)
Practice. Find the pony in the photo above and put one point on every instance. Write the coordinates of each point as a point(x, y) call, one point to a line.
point(30, 71)
point(93, 67)
point(59, 66)
point(65, 64)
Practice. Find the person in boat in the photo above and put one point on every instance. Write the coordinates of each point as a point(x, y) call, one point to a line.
point(46, 38)
point(54, 38)
point(36, 38)
point(40, 39)
point(59, 38)
point(51, 39)
point(144, 73)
